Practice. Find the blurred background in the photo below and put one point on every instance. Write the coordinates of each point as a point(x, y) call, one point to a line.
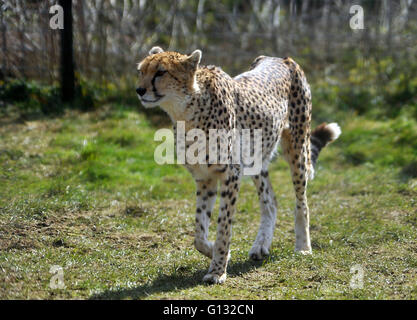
point(369, 71)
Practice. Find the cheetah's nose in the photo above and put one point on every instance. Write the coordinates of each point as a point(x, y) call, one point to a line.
point(141, 91)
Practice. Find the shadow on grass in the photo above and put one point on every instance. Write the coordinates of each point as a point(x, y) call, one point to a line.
point(409, 171)
point(173, 282)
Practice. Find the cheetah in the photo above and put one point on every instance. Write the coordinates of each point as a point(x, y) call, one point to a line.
point(274, 96)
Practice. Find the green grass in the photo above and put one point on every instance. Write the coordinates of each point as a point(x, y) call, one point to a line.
point(82, 191)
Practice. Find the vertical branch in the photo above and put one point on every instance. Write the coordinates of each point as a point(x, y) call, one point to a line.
point(389, 25)
point(174, 33)
point(4, 42)
point(102, 39)
point(45, 48)
point(21, 27)
point(83, 32)
point(199, 21)
point(326, 13)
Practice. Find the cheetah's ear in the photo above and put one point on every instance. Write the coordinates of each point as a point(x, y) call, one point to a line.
point(155, 50)
point(194, 58)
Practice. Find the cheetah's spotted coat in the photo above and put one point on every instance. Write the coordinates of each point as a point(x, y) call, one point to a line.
point(273, 96)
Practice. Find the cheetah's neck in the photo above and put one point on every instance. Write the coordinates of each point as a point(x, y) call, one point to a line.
point(203, 102)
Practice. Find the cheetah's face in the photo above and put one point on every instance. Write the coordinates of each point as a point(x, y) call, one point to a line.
point(166, 76)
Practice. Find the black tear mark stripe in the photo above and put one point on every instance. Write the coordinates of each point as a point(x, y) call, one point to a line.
point(173, 76)
point(157, 74)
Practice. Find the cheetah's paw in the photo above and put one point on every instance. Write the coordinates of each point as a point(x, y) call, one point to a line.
point(214, 278)
point(304, 252)
point(258, 252)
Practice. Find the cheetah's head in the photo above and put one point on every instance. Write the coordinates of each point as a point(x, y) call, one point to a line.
point(166, 77)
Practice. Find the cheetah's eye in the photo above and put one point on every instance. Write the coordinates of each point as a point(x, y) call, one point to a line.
point(160, 73)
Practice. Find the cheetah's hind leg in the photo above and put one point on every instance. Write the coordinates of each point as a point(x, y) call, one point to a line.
point(268, 205)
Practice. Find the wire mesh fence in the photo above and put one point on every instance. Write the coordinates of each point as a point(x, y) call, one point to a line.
point(110, 36)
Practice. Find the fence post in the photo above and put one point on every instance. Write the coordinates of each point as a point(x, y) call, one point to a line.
point(67, 54)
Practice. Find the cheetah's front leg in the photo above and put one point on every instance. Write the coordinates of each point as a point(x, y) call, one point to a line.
point(206, 199)
point(229, 193)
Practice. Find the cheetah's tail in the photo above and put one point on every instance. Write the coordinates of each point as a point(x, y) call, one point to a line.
point(321, 137)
